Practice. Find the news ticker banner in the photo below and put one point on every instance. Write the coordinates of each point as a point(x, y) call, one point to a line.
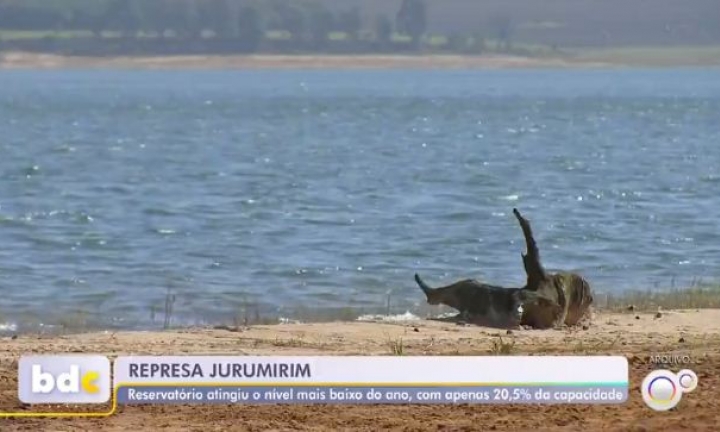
point(324, 380)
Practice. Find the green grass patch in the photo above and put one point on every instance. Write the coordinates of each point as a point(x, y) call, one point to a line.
point(338, 36)
point(436, 41)
point(278, 35)
point(396, 346)
point(697, 297)
point(501, 347)
point(398, 38)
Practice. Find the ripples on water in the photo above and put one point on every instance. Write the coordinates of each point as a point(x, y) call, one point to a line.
point(299, 191)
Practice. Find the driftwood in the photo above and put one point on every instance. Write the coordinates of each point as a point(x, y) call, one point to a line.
point(480, 303)
point(564, 298)
point(548, 300)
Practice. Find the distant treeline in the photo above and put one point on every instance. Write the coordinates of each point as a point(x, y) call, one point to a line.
point(134, 27)
point(225, 26)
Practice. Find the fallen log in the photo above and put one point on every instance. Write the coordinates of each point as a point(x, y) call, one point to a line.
point(564, 298)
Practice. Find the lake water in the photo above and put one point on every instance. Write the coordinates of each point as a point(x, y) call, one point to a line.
point(288, 193)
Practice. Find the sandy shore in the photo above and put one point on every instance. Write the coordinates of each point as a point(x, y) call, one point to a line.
point(688, 332)
point(21, 60)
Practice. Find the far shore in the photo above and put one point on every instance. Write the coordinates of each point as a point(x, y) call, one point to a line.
point(23, 60)
point(595, 59)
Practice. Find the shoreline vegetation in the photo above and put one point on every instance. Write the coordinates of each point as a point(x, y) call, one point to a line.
point(696, 298)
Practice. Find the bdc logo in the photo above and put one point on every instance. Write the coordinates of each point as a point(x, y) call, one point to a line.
point(64, 379)
point(68, 382)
